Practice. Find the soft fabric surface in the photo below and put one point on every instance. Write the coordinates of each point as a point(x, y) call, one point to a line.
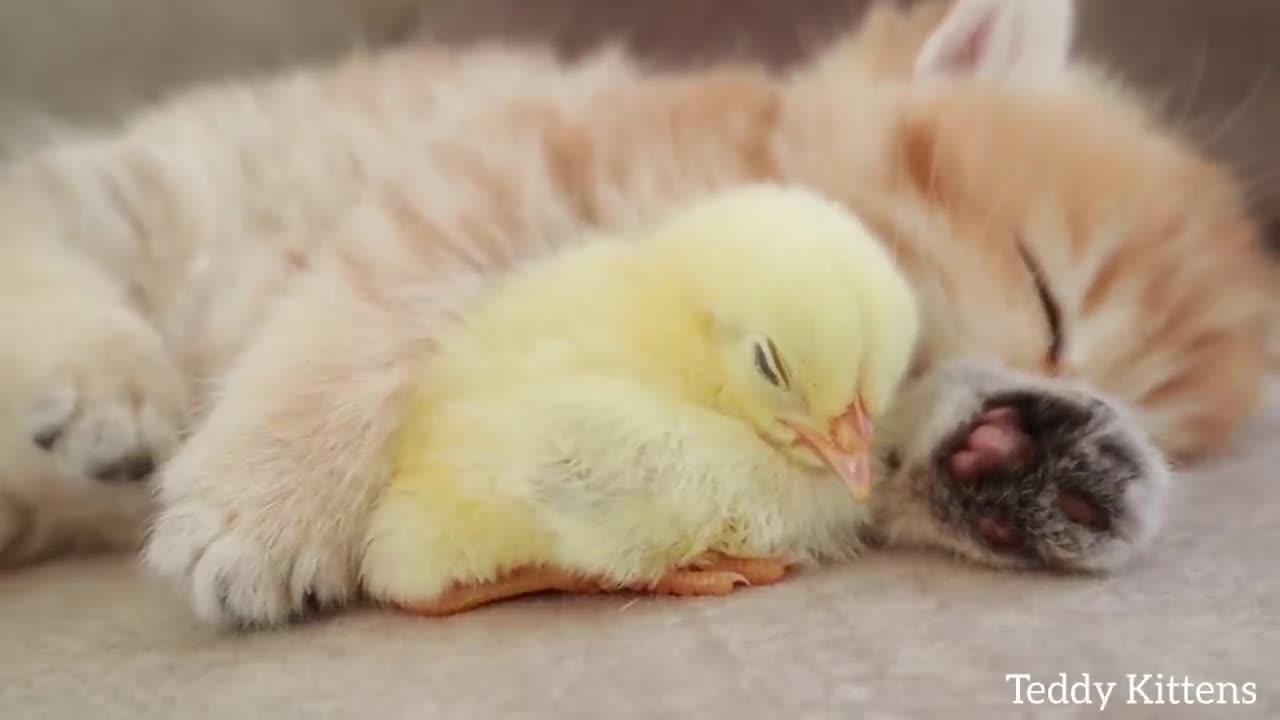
point(902, 634)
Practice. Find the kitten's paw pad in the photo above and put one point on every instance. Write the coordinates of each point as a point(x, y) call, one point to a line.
point(996, 439)
point(235, 576)
point(999, 534)
point(112, 416)
point(1052, 479)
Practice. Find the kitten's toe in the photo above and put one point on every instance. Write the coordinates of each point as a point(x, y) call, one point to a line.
point(1040, 478)
point(995, 439)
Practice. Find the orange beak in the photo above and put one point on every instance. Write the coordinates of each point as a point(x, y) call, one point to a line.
point(847, 449)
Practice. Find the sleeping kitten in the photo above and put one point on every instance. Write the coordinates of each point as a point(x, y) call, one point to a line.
point(263, 266)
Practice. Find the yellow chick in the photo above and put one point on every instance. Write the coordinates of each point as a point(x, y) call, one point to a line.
point(666, 415)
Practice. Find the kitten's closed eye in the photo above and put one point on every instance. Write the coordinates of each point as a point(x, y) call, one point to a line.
point(1053, 314)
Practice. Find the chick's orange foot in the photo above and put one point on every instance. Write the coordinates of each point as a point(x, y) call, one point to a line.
point(717, 574)
point(522, 581)
point(713, 574)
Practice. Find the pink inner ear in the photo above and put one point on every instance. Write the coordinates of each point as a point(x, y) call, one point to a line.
point(1000, 38)
point(969, 53)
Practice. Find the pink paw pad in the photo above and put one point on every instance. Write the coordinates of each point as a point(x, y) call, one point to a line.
point(997, 439)
point(1000, 535)
point(1082, 511)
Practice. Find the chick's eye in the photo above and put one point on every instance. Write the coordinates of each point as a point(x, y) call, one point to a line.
point(769, 364)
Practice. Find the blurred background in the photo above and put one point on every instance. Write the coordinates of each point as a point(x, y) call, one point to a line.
point(1213, 65)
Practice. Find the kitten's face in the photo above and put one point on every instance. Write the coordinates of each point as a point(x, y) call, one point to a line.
point(1091, 291)
point(1064, 238)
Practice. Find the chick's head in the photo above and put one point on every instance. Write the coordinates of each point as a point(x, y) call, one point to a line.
point(808, 322)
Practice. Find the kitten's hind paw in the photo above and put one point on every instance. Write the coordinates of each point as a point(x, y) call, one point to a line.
point(92, 404)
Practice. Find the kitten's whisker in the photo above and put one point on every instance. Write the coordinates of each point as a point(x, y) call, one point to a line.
point(1202, 60)
point(1259, 183)
point(1233, 117)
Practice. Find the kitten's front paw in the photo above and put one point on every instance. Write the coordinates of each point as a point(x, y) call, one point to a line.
point(1017, 470)
point(1051, 478)
point(242, 567)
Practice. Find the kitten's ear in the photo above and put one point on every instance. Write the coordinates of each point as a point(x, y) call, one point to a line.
point(1022, 39)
